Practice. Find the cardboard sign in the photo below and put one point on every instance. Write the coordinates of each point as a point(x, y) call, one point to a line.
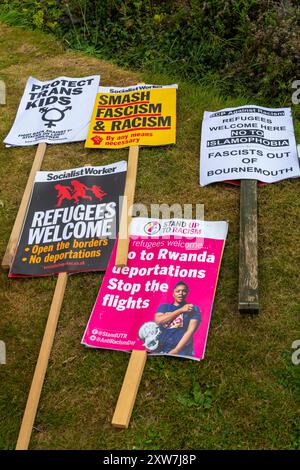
point(162, 300)
point(249, 142)
point(71, 222)
point(136, 115)
point(55, 111)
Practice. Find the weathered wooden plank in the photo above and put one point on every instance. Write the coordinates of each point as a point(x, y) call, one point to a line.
point(248, 267)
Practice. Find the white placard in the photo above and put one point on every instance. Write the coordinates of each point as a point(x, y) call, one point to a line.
point(186, 228)
point(248, 142)
point(55, 111)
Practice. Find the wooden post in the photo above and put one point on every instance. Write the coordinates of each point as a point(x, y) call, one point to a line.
point(16, 231)
point(2, 92)
point(137, 360)
point(129, 389)
point(42, 363)
point(126, 216)
point(248, 268)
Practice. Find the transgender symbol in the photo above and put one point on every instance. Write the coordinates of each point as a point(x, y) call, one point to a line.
point(52, 115)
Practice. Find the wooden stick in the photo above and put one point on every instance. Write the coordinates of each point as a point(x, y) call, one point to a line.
point(123, 242)
point(42, 363)
point(129, 389)
point(16, 231)
point(2, 92)
point(248, 269)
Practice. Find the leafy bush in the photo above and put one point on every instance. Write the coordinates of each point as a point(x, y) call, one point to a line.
point(32, 14)
point(247, 46)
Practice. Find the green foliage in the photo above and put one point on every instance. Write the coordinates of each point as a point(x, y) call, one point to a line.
point(248, 47)
point(196, 398)
point(32, 14)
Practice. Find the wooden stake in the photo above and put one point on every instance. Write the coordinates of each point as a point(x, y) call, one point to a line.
point(248, 269)
point(16, 231)
point(2, 92)
point(129, 389)
point(42, 363)
point(123, 242)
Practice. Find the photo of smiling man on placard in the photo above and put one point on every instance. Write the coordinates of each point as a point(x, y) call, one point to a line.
point(178, 321)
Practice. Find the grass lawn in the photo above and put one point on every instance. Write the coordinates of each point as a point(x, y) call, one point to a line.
point(251, 388)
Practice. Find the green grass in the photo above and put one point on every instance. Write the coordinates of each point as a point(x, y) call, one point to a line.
point(245, 393)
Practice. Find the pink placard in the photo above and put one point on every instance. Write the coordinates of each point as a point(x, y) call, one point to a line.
point(162, 300)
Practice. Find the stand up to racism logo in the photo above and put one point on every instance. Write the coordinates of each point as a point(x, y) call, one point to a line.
point(152, 228)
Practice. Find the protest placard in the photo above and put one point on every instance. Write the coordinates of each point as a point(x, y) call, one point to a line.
point(54, 111)
point(133, 116)
point(248, 142)
point(130, 117)
point(162, 300)
point(72, 221)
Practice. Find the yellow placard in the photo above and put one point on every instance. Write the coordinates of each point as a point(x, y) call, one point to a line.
point(135, 116)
